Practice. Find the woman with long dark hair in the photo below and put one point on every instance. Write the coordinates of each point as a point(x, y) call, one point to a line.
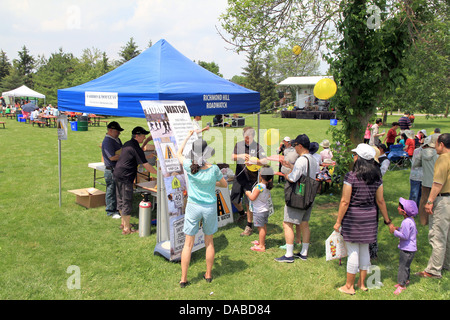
point(203, 178)
point(362, 192)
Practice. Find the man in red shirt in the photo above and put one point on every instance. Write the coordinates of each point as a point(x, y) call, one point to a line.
point(391, 135)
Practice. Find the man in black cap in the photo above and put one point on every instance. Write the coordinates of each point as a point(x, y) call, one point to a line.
point(111, 147)
point(125, 173)
point(294, 216)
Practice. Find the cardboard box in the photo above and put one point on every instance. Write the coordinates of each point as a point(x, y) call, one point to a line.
point(89, 197)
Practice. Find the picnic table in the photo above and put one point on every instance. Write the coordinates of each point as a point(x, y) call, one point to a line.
point(50, 120)
point(95, 120)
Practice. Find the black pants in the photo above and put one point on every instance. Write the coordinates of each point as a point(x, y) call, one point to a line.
point(405, 260)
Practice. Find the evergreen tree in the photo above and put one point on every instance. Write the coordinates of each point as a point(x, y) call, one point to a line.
point(129, 51)
point(5, 65)
point(25, 65)
point(257, 79)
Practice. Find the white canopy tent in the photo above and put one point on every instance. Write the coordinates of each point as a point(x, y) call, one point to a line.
point(304, 87)
point(23, 91)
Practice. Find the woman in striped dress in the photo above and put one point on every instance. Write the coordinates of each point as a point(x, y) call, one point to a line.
point(357, 216)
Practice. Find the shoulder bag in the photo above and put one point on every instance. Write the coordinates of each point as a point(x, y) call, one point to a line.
point(301, 194)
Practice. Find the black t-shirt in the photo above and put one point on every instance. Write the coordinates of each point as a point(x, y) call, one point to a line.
point(253, 150)
point(126, 167)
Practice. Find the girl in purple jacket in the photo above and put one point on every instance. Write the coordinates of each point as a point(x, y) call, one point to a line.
point(407, 233)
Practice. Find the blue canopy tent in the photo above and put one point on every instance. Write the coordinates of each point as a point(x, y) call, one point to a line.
point(159, 73)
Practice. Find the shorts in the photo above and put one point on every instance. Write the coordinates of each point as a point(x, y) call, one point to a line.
point(238, 190)
point(260, 219)
point(124, 193)
point(200, 213)
point(296, 216)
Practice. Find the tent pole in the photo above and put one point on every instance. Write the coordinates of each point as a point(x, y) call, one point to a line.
point(59, 169)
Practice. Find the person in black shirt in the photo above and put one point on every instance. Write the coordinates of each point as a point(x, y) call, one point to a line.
point(125, 173)
point(244, 179)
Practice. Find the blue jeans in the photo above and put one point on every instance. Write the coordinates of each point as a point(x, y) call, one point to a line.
point(415, 192)
point(110, 198)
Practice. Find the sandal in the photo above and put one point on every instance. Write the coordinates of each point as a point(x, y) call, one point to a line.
point(129, 231)
point(209, 280)
point(184, 284)
point(256, 248)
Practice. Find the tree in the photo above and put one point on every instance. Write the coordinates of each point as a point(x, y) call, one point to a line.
point(5, 65)
point(211, 66)
point(55, 73)
point(257, 78)
point(129, 51)
point(366, 43)
point(25, 65)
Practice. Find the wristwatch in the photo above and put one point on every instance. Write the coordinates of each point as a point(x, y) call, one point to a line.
point(429, 202)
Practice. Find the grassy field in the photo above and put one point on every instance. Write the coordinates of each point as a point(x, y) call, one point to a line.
point(39, 240)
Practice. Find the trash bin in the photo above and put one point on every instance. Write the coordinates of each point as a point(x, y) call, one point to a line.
point(74, 125)
point(333, 122)
point(82, 123)
point(19, 116)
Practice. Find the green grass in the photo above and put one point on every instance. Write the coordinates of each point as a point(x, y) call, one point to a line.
point(39, 240)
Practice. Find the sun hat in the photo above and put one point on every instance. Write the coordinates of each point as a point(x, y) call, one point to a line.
point(313, 147)
point(200, 152)
point(431, 140)
point(409, 206)
point(377, 153)
point(325, 143)
point(409, 134)
point(365, 151)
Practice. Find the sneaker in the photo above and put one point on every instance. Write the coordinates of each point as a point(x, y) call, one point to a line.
point(425, 274)
point(285, 259)
point(247, 231)
point(116, 216)
point(300, 256)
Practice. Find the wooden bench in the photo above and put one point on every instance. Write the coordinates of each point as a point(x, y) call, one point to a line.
point(3, 123)
point(41, 124)
point(105, 121)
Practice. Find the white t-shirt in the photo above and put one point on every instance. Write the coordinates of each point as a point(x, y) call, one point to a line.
point(261, 203)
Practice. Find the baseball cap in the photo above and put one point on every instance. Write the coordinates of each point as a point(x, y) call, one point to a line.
point(114, 125)
point(139, 130)
point(409, 206)
point(303, 140)
point(365, 151)
point(287, 139)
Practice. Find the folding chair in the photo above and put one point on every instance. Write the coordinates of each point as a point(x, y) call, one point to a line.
point(399, 159)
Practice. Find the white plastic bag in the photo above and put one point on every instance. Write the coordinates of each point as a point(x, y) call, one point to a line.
point(335, 247)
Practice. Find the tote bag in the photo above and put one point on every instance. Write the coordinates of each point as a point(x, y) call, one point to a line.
point(301, 194)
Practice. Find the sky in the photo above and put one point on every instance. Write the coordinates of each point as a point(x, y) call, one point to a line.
point(44, 26)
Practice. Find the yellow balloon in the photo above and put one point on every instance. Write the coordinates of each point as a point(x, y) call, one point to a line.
point(325, 89)
point(297, 50)
point(271, 137)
